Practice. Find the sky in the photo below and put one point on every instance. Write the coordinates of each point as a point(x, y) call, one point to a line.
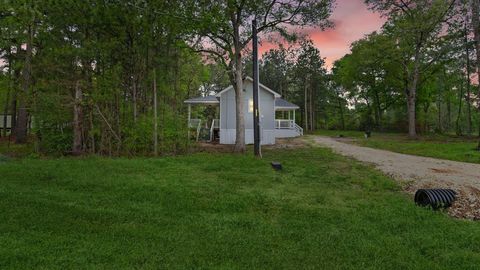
point(352, 21)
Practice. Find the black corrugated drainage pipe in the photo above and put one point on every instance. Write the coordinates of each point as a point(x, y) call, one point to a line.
point(436, 198)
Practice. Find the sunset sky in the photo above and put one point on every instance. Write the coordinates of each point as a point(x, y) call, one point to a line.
point(352, 21)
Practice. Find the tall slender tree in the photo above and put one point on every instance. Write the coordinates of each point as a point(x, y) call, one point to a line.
point(226, 33)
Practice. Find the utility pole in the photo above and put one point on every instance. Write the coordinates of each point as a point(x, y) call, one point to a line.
point(256, 114)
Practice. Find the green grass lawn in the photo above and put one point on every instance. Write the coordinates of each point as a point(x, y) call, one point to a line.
point(437, 146)
point(221, 211)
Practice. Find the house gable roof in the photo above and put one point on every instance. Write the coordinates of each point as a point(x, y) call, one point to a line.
point(282, 104)
point(275, 94)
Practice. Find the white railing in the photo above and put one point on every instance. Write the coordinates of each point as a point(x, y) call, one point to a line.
point(194, 123)
point(284, 124)
point(215, 124)
point(299, 129)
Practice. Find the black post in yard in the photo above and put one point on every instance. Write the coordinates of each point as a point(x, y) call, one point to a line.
point(256, 114)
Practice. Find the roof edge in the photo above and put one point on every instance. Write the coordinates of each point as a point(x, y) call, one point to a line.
point(275, 94)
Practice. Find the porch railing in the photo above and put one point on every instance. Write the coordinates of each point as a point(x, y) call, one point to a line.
point(284, 124)
point(288, 124)
point(299, 129)
point(215, 125)
point(194, 123)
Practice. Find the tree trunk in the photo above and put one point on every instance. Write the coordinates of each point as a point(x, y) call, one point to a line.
point(412, 97)
point(134, 98)
point(467, 81)
point(14, 112)
point(377, 108)
point(449, 113)
point(5, 113)
point(440, 93)
point(240, 123)
point(7, 97)
point(342, 117)
point(306, 105)
point(476, 32)
point(412, 133)
point(77, 147)
point(312, 110)
point(155, 114)
point(22, 120)
point(238, 85)
point(458, 128)
point(426, 107)
point(92, 135)
point(439, 115)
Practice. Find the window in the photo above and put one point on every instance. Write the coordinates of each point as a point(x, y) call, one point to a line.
point(250, 105)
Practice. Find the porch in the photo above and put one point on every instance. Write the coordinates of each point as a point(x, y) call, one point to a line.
point(206, 128)
point(285, 126)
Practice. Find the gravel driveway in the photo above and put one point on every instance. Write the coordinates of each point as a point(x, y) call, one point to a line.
point(416, 172)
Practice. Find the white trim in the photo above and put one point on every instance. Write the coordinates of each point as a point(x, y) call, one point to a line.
point(275, 94)
point(220, 116)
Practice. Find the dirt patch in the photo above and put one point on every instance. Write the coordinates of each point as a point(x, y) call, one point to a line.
point(415, 172)
point(442, 170)
point(213, 147)
point(289, 143)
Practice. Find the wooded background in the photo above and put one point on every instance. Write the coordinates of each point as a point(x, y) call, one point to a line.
point(110, 77)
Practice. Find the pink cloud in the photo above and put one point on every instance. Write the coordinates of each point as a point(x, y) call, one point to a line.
point(352, 21)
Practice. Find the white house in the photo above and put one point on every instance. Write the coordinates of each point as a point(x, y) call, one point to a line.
point(270, 102)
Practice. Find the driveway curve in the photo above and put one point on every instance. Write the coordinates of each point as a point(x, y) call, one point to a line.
point(416, 172)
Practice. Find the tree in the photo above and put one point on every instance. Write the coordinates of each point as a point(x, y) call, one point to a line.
point(416, 26)
point(225, 33)
point(85, 73)
point(24, 17)
point(310, 73)
point(275, 68)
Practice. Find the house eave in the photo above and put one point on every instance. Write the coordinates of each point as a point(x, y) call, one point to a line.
point(286, 108)
point(275, 94)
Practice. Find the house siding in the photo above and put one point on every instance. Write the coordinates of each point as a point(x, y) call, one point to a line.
point(228, 117)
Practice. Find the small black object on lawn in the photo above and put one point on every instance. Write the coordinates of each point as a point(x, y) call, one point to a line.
point(368, 134)
point(436, 198)
point(276, 165)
